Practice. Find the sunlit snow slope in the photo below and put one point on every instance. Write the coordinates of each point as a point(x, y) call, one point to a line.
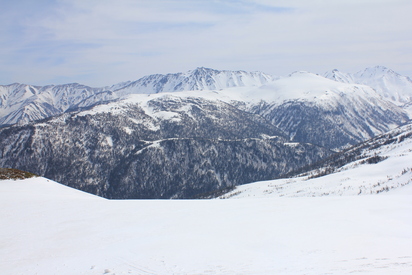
point(47, 228)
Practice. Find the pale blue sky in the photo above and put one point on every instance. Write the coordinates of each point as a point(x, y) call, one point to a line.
point(102, 42)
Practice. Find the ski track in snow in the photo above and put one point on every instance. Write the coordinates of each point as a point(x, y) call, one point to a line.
point(48, 228)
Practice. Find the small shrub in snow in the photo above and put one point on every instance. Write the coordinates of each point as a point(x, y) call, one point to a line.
point(9, 173)
point(374, 159)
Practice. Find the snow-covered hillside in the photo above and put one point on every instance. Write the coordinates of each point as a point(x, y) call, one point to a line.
point(306, 106)
point(47, 228)
point(376, 166)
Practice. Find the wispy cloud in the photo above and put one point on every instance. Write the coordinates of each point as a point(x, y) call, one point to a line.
point(103, 42)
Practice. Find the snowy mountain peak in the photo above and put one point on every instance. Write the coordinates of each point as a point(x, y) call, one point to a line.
point(371, 72)
point(377, 71)
point(387, 83)
point(339, 76)
point(201, 71)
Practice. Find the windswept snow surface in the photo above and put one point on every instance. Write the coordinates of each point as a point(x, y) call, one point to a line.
point(47, 228)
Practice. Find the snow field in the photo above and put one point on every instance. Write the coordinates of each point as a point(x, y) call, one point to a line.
point(48, 228)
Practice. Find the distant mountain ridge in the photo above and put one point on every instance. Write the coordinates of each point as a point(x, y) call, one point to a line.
point(303, 105)
point(20, 103)
point(195, 80)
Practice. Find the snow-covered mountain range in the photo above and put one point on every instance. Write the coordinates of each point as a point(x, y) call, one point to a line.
point(195, 80)
point(227, 128)
point(20, 103)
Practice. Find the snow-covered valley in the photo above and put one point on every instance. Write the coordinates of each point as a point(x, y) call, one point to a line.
point(48, 228)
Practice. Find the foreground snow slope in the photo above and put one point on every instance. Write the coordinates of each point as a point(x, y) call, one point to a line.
point(51, 229)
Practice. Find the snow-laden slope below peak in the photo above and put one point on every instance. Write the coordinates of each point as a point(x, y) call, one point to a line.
point(339, 76)
point(305, 86)
point(302, 86)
